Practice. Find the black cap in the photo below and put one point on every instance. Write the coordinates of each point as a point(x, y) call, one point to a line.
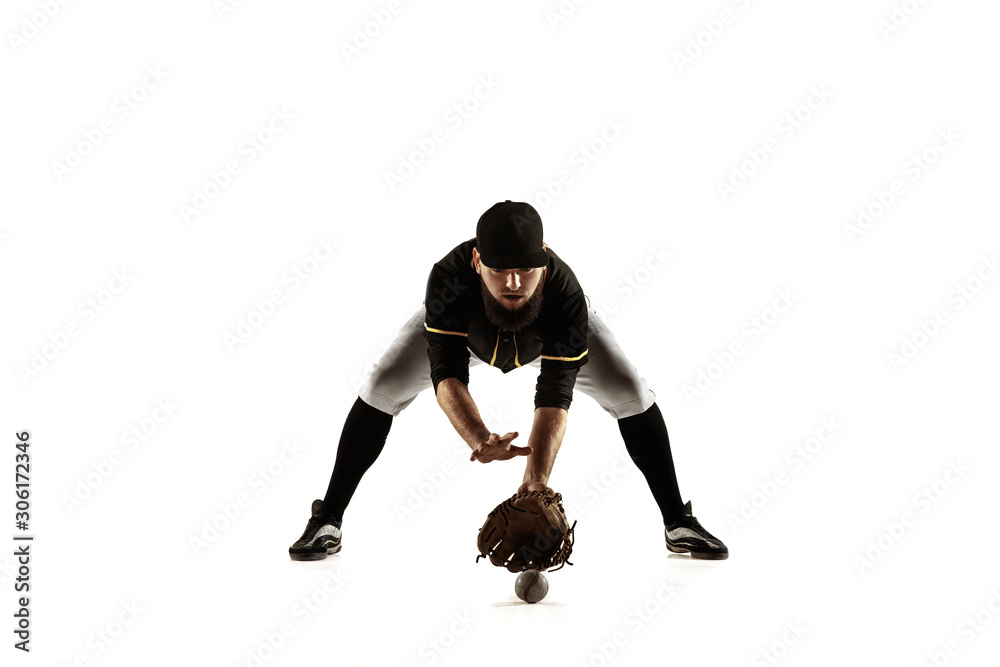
point(509, 236)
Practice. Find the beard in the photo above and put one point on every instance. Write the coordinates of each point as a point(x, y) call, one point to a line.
point(514, 320)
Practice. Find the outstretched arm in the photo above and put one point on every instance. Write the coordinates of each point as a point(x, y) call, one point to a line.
point(547, 431)
point(454, 398)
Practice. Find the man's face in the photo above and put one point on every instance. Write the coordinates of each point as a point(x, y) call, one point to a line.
point(511, 296)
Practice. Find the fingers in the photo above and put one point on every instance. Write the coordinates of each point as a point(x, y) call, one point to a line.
point(500, 443)
point(496, 439)
point(486, 453)
point(509, 453)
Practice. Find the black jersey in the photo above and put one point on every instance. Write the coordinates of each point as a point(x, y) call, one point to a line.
point(456, 324)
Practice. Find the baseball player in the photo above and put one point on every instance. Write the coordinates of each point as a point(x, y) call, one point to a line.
point(506, 299)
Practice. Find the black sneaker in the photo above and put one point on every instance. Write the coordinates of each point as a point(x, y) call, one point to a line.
point(321, 537)
point(687, 535)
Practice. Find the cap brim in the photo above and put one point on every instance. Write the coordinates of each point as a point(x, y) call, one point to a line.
point(530, 261)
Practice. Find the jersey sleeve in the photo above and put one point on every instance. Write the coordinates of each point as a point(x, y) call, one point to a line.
point(446, 329)
point(564, 352)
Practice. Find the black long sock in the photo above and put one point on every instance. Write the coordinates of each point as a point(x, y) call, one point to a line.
point(361, 441)
point(647, 443)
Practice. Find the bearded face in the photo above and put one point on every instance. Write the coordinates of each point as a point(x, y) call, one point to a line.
point(511, 310)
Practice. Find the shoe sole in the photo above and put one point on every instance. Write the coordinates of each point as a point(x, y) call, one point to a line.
point(698, 555)
point(319, 555)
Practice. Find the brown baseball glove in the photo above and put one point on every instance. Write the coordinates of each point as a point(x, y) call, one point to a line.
point(528, 531)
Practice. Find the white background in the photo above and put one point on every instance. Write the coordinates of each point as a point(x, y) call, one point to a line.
point(844, 549)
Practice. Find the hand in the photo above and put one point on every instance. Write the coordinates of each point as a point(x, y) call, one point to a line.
point(532, 486)
point(498, 448)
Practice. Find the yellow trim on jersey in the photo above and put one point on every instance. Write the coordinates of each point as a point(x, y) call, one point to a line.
point(516, 362)
point(567, 358)
point(495, 348)
point(442, 331)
